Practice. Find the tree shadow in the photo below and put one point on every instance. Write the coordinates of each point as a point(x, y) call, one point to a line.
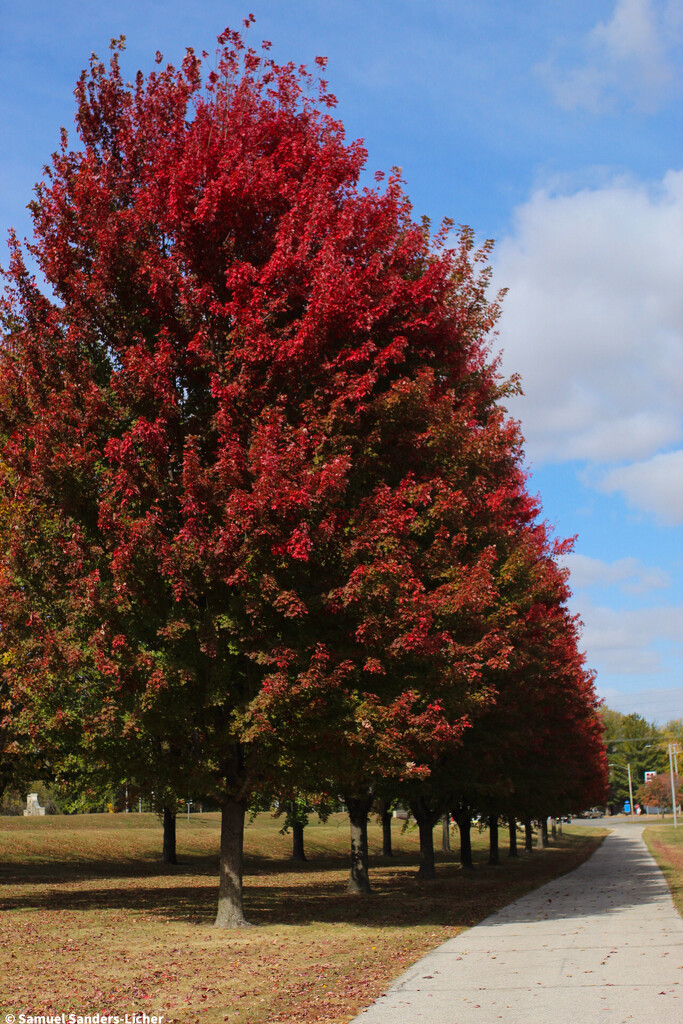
point(38, 872)
point(620, 875)
point(287, 893)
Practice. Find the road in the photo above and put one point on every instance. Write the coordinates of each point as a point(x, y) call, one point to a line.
point(601, 945)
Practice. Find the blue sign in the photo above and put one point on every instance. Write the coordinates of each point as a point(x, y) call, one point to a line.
point(627, 808)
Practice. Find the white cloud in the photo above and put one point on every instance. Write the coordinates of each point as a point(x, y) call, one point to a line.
point(628, 574)
point(594, 320)
point(633, 55)
point(655, 485)
point(629, 642)
point(655, 705)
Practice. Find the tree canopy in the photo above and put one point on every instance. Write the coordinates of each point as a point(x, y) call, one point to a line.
point(266, 502)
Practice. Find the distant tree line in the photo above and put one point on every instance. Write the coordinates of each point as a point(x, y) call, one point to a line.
point(633, 743)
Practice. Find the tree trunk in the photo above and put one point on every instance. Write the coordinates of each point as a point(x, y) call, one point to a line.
point(298, 852)
point(168, 854)
point(528, 835)
point(559, 826)
point(494, 857)
point(358, 807)
point(512, 825)
point(463, 819)
point(542, 837)
point(426, 820)
point(386, 815)
point(554, 827)
point(230, 910)
point(446, 833)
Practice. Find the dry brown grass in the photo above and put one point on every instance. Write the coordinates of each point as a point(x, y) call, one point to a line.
point(92, 923)
point(666, 845)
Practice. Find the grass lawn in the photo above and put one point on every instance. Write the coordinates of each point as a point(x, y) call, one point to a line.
point(92, 923)
point(666, 845)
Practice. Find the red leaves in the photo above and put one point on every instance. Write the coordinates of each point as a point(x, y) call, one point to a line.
point(259, 438)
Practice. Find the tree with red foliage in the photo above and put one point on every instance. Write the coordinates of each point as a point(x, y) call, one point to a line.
point(657, 792)
point(413, 641)
point(254, 447)
point(506, 516)
point(538, 748)
point(562, 765)
point(536, 744)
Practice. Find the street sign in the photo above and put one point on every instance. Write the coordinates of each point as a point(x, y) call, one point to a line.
point(627, 807)
point(649, 776)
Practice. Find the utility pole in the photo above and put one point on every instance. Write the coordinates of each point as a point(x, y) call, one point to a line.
point(630, 785)
point(672, 754)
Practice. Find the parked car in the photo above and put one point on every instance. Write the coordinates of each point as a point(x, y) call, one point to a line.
point(594, 812)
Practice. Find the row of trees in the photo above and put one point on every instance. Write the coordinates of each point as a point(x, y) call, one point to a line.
point(264, 524)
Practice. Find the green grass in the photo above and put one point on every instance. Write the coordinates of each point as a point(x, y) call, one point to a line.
point(92, 922)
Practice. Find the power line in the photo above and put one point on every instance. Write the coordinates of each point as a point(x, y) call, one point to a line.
point(652, 740)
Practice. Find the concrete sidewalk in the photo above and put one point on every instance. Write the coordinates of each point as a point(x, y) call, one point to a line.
point(602, 945)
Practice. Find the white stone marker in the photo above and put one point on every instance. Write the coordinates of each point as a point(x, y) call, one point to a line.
point(32, 805)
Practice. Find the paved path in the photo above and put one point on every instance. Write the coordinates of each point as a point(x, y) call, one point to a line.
point(602, 945)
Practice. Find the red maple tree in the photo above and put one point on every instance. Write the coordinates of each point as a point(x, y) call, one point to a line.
point(657, 792)
point(254, 448)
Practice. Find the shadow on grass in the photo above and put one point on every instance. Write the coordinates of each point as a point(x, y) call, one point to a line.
point(312, 893)
point(40, 872)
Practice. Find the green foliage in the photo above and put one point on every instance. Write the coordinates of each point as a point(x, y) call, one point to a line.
point(631, 740)
point(14, 800)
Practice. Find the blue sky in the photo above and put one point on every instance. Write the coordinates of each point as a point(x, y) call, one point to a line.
point(557, 130)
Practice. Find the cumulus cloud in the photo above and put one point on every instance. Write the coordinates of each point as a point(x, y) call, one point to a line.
point(632, 56)
point(628, 574)
point(654, 704)
point(630, 642)
point(629, 647)
point(593, 321)
point(655, 485)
